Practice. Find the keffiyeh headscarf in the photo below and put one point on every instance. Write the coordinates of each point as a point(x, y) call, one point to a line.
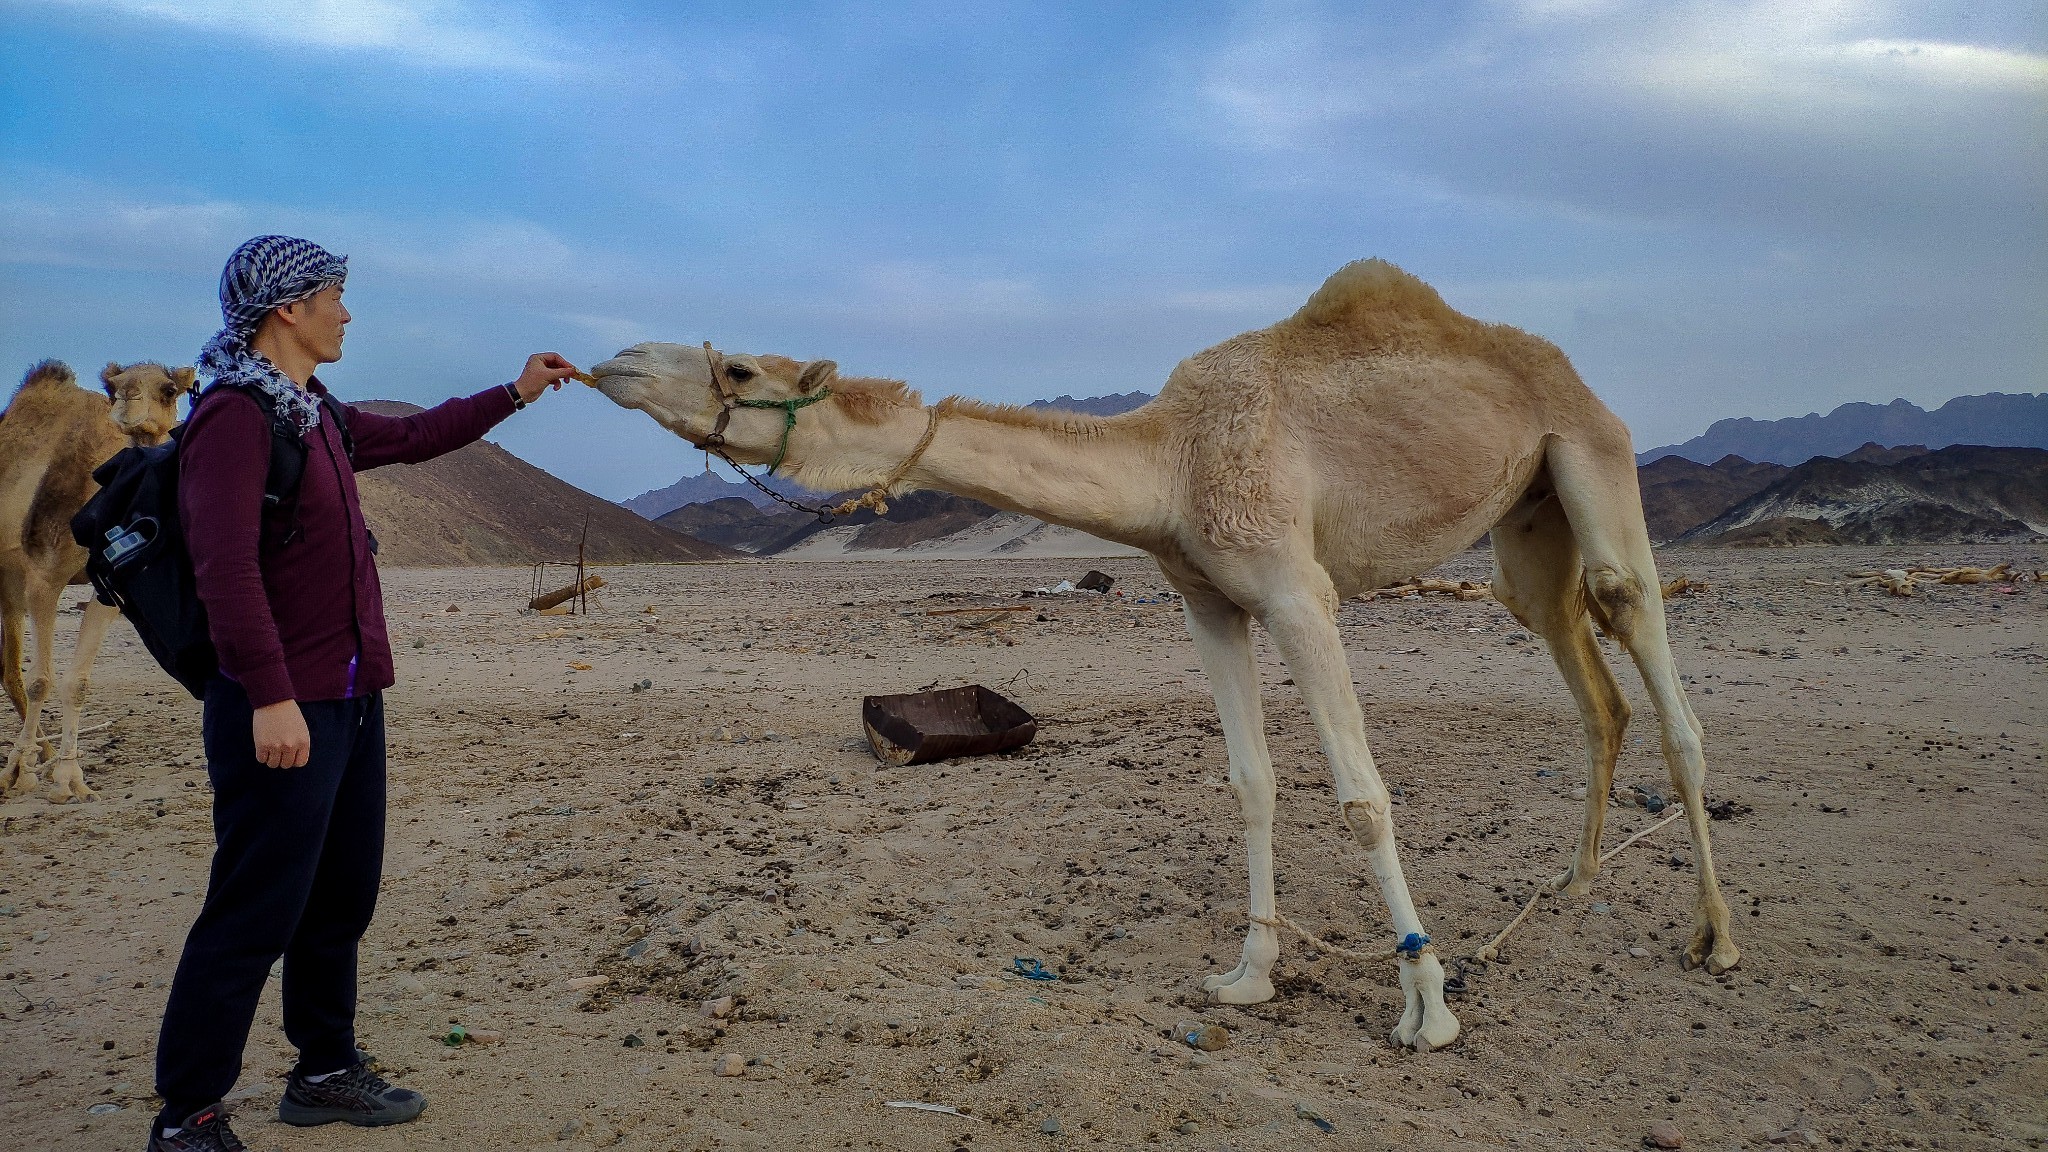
point(266, 273)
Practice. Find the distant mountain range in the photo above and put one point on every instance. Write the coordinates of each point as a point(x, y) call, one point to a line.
point(1995, 418)
point(1962, 494)
point(482, 505)
point(1096, 405)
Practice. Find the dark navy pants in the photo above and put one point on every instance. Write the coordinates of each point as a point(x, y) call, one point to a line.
point(297, 856)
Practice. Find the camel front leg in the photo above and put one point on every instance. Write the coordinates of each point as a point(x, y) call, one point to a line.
point(1303, 624)
point(1222, 634)
point(20, 773)
point(68, 777)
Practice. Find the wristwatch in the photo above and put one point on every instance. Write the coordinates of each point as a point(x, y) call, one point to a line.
point(517, 403)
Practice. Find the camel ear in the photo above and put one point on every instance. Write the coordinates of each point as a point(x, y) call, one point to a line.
point(107, 375)
point(185, 376)
point(816, 375)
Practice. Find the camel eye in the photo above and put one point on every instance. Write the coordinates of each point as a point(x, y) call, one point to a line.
point(740, 373)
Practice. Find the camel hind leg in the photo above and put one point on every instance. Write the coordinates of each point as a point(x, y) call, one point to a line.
point(13, 619)
point(1539, 578)
point(1596, 482)
point(21, 770)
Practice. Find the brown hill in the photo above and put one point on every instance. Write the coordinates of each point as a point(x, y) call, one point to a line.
point(1957, 495)
point(1679, 494)
point(482, 505)
point(912, 519)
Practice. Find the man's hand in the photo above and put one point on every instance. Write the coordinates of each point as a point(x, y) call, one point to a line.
point(542, 370)
point(281, 737)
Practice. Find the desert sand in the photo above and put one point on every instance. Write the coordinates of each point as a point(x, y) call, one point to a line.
point(725, 832)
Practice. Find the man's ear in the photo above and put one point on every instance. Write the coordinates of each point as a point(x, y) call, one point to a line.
point(184, 377)
point(107, 376)
point(816, 375)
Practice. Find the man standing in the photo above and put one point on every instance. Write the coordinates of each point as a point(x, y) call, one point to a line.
point(294, 723)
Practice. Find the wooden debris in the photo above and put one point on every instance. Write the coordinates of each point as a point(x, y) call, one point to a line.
point(1906, 581)
point(1462, 589)
point(542, 603)
point(1682, 586)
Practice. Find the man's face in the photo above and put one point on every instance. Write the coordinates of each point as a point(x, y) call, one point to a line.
point(318, 323)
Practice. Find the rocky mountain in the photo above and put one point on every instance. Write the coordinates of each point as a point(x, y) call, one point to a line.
point(482, 505)
point(1958, 494)
point(707, 487)
point(1679, 494)
point(911, 519)
point(1993, 418)
point(1112, 405)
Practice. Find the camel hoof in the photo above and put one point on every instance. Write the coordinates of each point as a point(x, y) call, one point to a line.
point(1568, 883)
point(1437, 1030)
point(1714, 951)
point(1244, 989)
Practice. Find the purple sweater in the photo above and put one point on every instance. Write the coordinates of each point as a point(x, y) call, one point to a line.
point(302, 620)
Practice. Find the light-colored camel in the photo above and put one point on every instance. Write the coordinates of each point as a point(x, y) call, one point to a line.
point(1363, 440)
point(52, 435)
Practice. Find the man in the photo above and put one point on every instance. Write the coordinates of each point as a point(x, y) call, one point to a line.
point(294, 723)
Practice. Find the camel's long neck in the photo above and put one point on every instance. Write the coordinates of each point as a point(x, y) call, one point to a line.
point(1107, 479)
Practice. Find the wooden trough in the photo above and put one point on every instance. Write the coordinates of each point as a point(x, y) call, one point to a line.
point(919, 727)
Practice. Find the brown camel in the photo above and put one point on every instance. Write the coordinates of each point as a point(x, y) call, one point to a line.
point(52, 435)
point(1365, 439)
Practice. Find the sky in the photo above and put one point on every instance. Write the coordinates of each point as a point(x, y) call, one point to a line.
point(1715, 209)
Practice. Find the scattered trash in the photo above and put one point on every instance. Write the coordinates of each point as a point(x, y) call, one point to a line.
point(1728, 810)
point(1059, 589)
point(919, 727)
point(1029, 968)
point(584, 983)
point(456, 1037)
point(1203, 1037)
point(103, 1109)
point(1314, 1117)
point(1095, 582)
point(921, 1106)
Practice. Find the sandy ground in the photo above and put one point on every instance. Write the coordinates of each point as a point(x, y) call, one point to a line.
point(549, 823)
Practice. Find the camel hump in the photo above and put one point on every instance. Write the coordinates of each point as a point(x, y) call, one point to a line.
point(1369, 293)
point(46, 375)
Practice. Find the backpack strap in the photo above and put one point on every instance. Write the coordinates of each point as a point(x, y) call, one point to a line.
point(338, 412)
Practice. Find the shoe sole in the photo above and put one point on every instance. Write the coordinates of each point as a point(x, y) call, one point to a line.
point(302, 1116)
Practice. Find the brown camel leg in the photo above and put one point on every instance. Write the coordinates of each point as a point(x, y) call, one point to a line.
point(1599, 489)
point(13, 618)
point(20, 773)
point(1537, 576)
point(68, 777)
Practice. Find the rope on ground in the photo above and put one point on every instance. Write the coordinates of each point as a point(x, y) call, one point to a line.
point(1280, 920)
point(1491, 952)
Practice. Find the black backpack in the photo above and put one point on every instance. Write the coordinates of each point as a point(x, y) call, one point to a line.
point(136, 557)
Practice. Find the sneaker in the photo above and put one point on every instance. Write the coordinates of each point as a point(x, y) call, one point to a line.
point(354, 1094)
point(203, 1131)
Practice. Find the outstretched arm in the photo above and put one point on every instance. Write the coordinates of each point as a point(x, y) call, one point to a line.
point(382, 440)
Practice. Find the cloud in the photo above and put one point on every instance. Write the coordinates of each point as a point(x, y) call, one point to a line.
point(1834, 119)
point(439, 33)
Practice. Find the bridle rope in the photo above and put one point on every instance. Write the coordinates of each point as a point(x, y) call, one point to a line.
point(728, 400)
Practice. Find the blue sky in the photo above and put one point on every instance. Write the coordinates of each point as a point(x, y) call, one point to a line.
point(1758, 209)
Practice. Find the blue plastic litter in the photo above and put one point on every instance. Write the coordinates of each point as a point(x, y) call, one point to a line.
point(1029, 968)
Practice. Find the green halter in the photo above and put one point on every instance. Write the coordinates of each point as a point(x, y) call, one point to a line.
point(789, 408)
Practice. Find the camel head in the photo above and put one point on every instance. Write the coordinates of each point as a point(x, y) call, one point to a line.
point(674, 384)
point(145, 397)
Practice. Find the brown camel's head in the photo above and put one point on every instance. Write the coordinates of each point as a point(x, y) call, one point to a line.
point(674, 384)
point(145, 397)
